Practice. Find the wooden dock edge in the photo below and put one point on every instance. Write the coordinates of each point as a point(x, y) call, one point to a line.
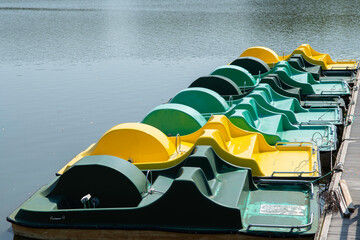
point(325, 220)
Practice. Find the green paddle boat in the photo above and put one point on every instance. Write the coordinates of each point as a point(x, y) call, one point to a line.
point(106, 196)
point(191, 107)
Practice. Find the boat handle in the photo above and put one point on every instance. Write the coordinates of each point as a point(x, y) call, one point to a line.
point(231, 100)
point(300, 173)
point(334, 92)
point(292, 227)
point(318, 122)
point(347, 67)
point(291, 144)
point(346, 60)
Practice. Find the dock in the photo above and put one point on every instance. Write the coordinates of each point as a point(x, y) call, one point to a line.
point(336, 225)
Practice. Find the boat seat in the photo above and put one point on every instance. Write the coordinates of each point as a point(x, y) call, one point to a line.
point(324, 60)
point(273, 81)
point(315, 70)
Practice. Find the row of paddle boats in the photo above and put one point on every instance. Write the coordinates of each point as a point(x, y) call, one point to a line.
point(238, 152)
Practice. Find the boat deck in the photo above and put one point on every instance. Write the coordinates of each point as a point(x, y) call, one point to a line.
point(335, 226)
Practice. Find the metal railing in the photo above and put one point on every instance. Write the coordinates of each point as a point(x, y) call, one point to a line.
point(292, 227)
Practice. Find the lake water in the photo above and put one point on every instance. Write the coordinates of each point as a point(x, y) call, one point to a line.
point(70, 70)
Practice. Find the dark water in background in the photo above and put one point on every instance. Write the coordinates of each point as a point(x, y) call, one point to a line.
point(70, 70)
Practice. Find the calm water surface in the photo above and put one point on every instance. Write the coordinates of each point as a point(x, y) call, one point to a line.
point(70, 70)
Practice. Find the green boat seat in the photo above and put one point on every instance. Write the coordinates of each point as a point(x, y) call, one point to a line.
point(270, 100)
point(306, 82)
point(280, 87)
point(299, 63)
point(277, 129)
point(309, 102)
point(254, 65)
point(276, 126)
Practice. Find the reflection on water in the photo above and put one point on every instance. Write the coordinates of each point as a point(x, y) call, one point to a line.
point(70, 70)
point(192, 237)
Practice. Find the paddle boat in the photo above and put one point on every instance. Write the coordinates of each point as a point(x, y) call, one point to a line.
point(267, 99)
point(340, 67)
point(229, 89)
point(220, 84)
point(256, 66)
point(103, 197)
point(150, 149)
point(246, 114)
point(238, 75)
point(309, 86)
point(270, 100)
point(298, 62)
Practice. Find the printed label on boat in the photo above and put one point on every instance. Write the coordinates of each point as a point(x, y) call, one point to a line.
point(278, 209)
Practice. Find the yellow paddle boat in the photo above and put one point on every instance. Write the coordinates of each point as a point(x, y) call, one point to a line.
point(308, 53)
point(150, 149)
point(324, 60)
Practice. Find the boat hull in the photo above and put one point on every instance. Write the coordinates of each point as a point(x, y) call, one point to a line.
point(110, 234)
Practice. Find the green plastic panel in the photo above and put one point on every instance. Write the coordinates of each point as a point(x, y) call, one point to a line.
point(174, 118)
point(222, 85)
point(305, 81)
point(254, 65)
point(99, 176)
point(202, 99)
point(238, 75)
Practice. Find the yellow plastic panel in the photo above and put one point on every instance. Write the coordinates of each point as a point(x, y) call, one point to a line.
point(148, 148)
point(266, 54)
point(125, 140)
point(324, 60)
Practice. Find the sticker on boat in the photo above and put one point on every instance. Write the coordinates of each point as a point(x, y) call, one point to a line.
point(278, 209)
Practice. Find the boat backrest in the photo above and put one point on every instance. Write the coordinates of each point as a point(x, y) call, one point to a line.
point(264, 93)
point(306, 49)
point(114, 182)
point(296, 63)
point(202, 100)
point(266, 54)
point(249, 104)
point(172, 118)
point(254, 65)
point(240, 76)
point(220, 84)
